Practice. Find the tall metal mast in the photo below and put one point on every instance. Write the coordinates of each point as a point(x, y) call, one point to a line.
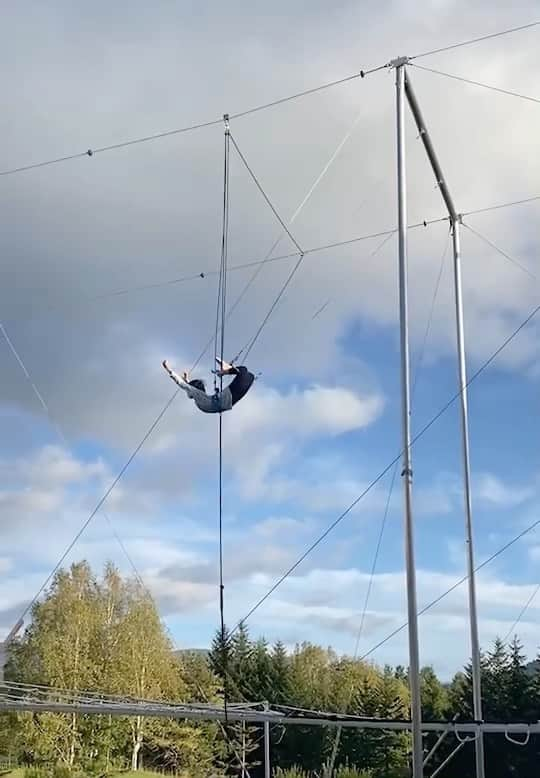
point(414, 660)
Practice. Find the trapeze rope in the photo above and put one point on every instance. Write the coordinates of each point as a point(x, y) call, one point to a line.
point(219, 348)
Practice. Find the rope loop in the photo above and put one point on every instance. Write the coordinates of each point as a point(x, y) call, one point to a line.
point(467, 738)
point(518, 742)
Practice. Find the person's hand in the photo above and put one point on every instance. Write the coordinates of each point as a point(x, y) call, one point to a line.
point(224, 367)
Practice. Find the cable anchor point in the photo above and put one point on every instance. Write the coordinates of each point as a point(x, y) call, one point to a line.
point(226, 122)
point(398, 62)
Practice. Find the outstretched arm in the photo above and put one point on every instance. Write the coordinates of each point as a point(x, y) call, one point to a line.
point(182, 381)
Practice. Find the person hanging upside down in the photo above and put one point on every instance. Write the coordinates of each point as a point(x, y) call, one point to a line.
point(221, 400)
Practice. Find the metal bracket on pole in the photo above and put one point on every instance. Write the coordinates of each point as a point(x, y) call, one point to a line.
point(226, 122)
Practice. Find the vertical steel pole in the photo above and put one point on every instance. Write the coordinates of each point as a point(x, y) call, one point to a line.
point(473, 615)
point(267, 766)
point(414, 661)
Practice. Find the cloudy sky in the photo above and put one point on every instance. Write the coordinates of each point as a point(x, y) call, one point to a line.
point(323, 419)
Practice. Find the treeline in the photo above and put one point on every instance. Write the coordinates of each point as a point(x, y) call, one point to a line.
point(105, 635)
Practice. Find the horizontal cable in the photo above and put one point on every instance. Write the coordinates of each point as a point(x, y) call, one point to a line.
point(190, 127)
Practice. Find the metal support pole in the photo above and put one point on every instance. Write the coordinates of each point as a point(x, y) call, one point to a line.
point(448, 759)
point(462, 377)
point(414, 661)
point(437, 744)
point(243, 749)
point(267, 766)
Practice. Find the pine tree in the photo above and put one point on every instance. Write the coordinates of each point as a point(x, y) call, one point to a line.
point(281, 675)
point(494, 682)
point(260, 673)
point(519, 685)
point(220, 660)
point(434, 696)
point(240, 668)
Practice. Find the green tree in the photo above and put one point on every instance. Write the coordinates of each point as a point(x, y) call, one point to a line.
point(281, 675)
point(57, 650)
point(434, 696)
point(260, 673)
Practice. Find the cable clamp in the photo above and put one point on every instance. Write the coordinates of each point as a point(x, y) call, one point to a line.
point(407, 471)
point(226, 121)
point(398, 62)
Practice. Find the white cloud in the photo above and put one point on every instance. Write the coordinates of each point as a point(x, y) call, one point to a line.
point(492, 490)
point(130, 217)
point(309, 413)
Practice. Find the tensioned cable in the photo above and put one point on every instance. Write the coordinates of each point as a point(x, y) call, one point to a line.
point(500, 251)
point(476, 40)
point(478, 83)
point(286, 229)
point(383, 472)
point(63, 439)
point(293, 218)
point(283, 257)
point(137, 574)
point(112, 147)
point(100, 502)
point(249, 346)
point(522, 612)
point(457, 584)
point(375, 560)
point(430, 317)
point(104, 498)
point(502, 205)
point(359, 634)
point(27, 375)
point(381, 532)
point(331, 527)
point(190, 127)
point(265, 196)
point(220, 323)
point(249, 111)
point(417, 371)
point(298, 210)
point(338, 244)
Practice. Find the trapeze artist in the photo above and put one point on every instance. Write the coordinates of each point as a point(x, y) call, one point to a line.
point(221, 400)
